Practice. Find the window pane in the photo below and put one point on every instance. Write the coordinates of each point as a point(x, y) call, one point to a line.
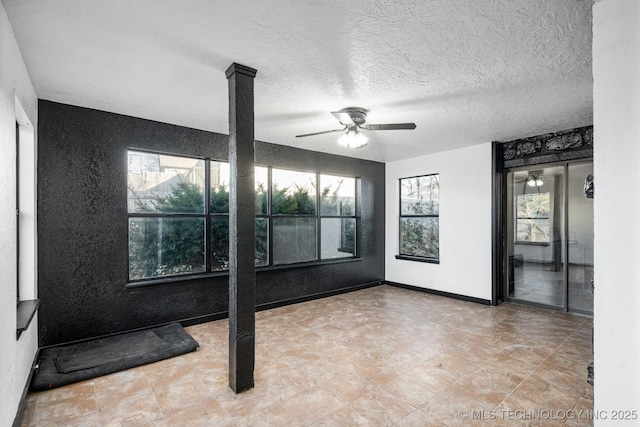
point(261, 177)
point(533, 205)
point(294, 193)
point(294, 240)
point(338, 237)
point(219, 243)
point(337, 195)
point(419, 195)
point(533, 230)
point(165, 246)
point(419, 237)
point(262, 242)
point(159, 183)
point(219, 197)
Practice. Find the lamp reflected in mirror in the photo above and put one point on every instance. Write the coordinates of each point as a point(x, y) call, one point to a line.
point(534, 180)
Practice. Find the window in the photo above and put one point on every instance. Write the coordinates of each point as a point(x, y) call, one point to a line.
point(533, 222)
point(26, 220)
point(173, 220)
point(167, 215)
point(293, 206)
point(262, 217)
point(219, 210)
point(338, 220)
point(419, 218)
point(300, 214)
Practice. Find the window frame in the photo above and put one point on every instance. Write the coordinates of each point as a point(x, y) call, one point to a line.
point(401, 216)
point(318, 216)
point(205, 215)
point(322, 216)
point(548, 218)
point(284, 216)
point(208, 216)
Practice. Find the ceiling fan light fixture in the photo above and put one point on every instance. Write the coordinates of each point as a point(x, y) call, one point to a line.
point(352, 119)
point(353, 139)
point(534, 180)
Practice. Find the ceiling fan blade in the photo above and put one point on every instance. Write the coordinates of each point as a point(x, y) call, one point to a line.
point(320, 133)
point(343, 118)
point(390, 126)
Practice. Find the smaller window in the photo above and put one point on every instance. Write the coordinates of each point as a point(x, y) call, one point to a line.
point(262, 215)
point(293, 205)
point(294, 240)
point(167, 215)
point(419, 217)
point(219, 176)
point(533, 221)
point(338, 220)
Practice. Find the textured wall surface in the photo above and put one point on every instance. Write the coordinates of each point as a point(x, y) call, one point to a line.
point(83, 226)
point(466, 72)
point(16, 355)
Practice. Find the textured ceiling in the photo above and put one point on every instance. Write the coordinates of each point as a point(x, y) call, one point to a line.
point(466, 72)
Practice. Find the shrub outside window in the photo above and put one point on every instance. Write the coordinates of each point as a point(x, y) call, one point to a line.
point(419, 217)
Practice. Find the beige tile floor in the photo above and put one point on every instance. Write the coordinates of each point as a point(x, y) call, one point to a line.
point(382, 356)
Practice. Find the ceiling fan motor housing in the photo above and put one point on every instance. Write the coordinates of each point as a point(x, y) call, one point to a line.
point(354, 118)
point(357, 114)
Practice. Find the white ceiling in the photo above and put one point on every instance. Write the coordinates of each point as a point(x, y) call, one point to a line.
point(465, 71)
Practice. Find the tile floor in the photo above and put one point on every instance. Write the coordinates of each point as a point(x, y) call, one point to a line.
point(382, 356)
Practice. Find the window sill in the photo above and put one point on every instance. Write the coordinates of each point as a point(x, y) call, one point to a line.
point(186, 278)
point(418, 259)
point(174, 279)
point(328, 261)
point(26, 310)
point(531, 243)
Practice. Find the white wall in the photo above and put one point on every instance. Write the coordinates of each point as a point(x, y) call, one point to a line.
point(616, 72)
point(16, 356)
point(465, 222)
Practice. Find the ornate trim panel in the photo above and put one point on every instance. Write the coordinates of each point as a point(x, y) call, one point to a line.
point(569, 144)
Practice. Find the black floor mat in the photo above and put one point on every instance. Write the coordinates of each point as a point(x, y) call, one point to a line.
point(58, 366)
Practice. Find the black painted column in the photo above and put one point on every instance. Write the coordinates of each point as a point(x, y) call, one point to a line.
point(242, 240)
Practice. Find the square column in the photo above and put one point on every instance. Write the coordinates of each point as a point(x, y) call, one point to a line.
point(242, 234)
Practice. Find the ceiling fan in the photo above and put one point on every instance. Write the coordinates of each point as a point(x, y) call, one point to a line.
point(353, 119)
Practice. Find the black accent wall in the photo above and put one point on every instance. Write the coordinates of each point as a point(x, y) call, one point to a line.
point(82, 227)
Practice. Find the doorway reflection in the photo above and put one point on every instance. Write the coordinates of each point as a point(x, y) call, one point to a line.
point(580, 240)
point(535, 234)
point(550, 222)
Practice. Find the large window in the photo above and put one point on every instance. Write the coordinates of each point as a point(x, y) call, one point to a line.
point(179, 216)
point(419, 218)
